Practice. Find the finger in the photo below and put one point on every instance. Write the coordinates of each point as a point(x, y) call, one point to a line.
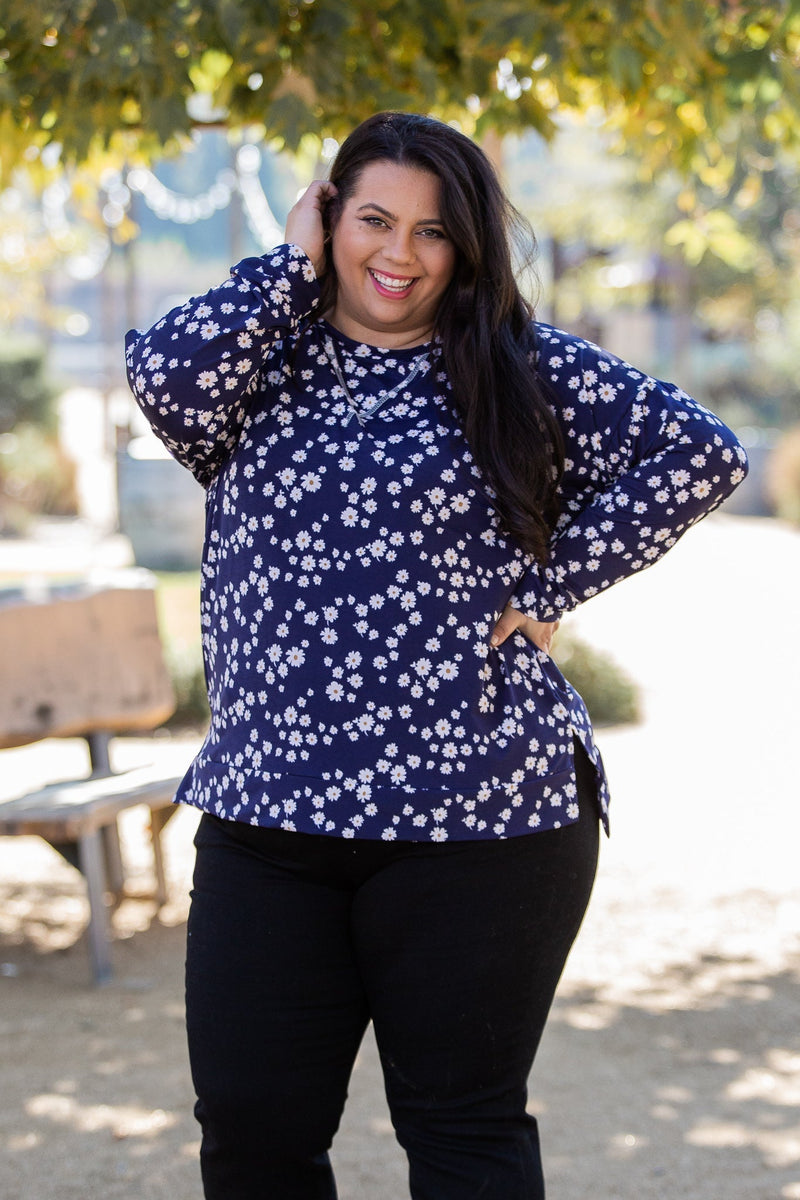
point(508, 621)
point(318, 193)
point(547, 636)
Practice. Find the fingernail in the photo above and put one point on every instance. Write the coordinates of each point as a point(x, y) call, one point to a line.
point(495, 641)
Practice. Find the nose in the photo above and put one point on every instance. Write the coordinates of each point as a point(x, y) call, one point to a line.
point(400, 247)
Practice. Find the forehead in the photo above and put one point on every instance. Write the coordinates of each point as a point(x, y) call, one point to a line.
point(392, 184)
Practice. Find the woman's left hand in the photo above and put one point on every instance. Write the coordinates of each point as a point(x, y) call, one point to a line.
point(511, 620)
point(306, 225)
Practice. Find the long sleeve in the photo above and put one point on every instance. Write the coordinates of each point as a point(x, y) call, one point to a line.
point(194, 372)
point(644, 462)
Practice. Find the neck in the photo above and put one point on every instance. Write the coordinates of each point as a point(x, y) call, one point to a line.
point(389, 339)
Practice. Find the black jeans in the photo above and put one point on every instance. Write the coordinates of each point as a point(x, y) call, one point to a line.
point(453, 950)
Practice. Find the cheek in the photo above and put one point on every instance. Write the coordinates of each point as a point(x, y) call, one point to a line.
point(342, 259)
point(349, 251)
point(446, 266)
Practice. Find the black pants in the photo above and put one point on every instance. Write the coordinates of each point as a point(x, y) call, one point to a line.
point(453, 950)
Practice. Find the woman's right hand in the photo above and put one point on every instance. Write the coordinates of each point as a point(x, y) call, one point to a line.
point(511, 620)
point(305, 226)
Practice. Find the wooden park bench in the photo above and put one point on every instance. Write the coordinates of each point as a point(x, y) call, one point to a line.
point(87, 662)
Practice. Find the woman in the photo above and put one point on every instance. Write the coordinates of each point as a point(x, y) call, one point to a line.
point(409, 481)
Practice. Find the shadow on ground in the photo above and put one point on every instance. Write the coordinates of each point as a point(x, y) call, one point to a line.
point(685, 1083)
point(690, 1089)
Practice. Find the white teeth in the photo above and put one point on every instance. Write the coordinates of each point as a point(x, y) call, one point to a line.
point(392, 285)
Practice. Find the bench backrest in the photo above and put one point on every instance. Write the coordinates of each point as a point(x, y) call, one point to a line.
point(82, 663)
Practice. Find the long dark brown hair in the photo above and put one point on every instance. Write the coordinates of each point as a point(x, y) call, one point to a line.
point(484, 321)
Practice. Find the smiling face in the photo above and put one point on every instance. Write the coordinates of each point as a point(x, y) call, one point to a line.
point(392, 257)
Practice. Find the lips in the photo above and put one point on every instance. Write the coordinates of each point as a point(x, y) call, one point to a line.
point(392, 285)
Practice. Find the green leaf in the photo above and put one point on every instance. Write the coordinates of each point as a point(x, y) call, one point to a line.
point(640, 61)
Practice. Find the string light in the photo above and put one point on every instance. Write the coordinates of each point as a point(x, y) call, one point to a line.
point(257, 211)
point(169, 205)
point(183, 210)
point(166, 204)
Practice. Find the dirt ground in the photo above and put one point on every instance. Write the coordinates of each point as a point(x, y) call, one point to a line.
point(671, 1064)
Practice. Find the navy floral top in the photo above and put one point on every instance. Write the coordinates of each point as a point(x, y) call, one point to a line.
point(354, 569)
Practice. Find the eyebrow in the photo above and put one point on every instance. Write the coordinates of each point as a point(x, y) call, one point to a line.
point(393, 217)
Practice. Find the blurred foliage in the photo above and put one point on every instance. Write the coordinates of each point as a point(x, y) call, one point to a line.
point(680, 139)
point(49, 219)
point(605, 212)
point(26, 395)
point(35, 477)
point(607, 691)
point(189, 682)
point(178, 601)
point(681, 82)
point(782, 482)
point(608, 249)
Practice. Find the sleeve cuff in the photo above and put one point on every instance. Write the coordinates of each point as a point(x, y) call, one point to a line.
point(542, 595)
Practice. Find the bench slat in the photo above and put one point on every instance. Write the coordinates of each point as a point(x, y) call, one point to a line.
point(78, 806)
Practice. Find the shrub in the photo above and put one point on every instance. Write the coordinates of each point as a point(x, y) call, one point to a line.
point(782, 482)
point(35, 477)
point(188, 680)
point(609, 694)
point(26, 395)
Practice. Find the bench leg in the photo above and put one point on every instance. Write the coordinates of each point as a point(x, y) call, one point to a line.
point(115, 872)
point(93, 870)
point(158, 819)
